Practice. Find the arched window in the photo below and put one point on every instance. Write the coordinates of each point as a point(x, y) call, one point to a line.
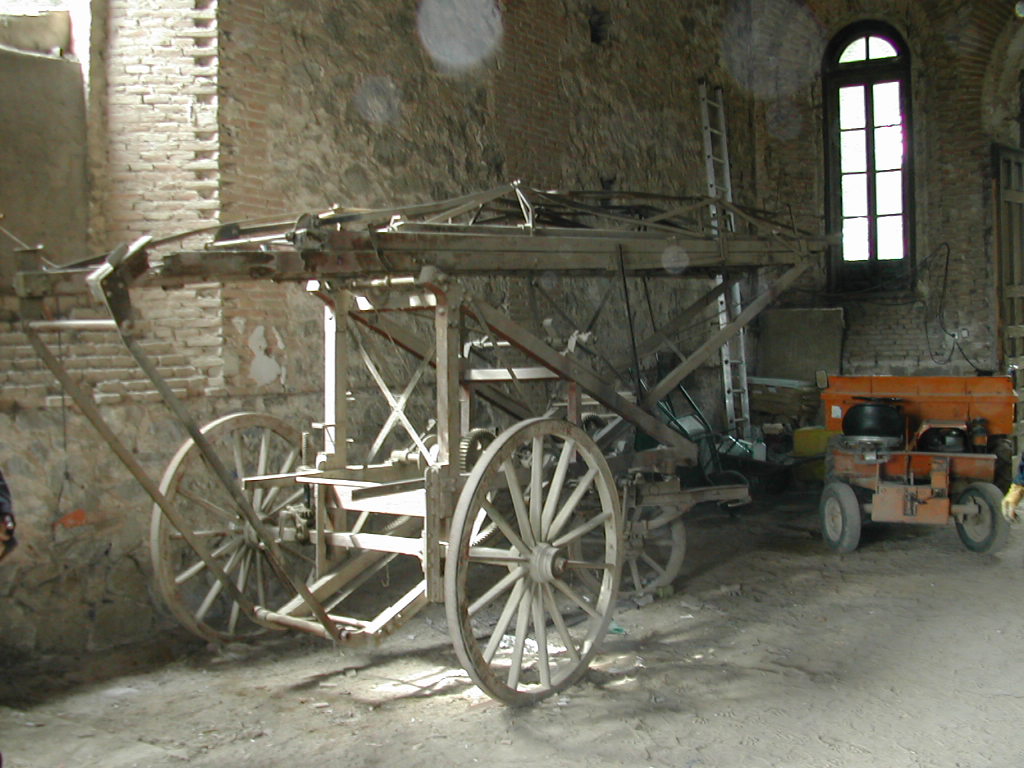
point(867, 125)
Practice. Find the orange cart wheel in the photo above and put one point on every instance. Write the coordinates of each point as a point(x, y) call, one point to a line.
point(984, 530)
point(840, 517)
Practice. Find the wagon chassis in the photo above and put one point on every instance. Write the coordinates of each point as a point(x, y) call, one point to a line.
point(522, 528)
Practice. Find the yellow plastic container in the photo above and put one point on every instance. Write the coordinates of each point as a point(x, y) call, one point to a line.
point(807, 442)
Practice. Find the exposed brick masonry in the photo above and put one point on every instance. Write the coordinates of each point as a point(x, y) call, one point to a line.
point(162, 148)
point(531, 111)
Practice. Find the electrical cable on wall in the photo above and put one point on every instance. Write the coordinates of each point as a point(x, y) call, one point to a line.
point(939, 313)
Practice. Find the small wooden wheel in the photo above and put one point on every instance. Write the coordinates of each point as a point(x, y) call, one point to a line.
point(528, 610)
point(248, 444)
point(654, 555)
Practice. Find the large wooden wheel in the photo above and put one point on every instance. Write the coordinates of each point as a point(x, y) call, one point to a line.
point(248, 444)
point(528, 607)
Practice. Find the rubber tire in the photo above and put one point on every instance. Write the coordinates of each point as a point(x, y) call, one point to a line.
point(839, 497)
point(999, 529)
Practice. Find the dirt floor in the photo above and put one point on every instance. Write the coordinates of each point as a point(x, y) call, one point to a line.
point(771, 652)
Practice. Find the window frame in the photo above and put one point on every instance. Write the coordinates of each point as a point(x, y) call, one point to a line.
point(872, 274)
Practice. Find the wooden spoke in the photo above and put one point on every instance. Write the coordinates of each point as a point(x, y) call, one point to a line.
point(536, 482)
point(504, 526)
point(556, 617)
point(261, 469)
point(220, 551)
point(634, 572)
point(569, 592)
point(656, 567)
point(555, 488)
point(503, 621)
point(522, 620)
point(236, 455)
point(513, 578)
point(519, 503)
point(261, 588)
point(569, 507)
point(217, 586)
point(286, 466)
point(207, 505)
point(243, 574)
point(541, 633)
point(581, 530)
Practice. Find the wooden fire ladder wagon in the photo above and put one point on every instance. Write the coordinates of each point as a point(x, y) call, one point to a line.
point(511, 504)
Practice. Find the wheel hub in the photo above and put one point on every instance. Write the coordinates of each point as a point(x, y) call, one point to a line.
point(974, 521)
point(634, 541)
point(546, 564)
point(833, 518)
point(247, 533)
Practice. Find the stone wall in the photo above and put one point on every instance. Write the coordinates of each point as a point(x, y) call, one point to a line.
point(81, 576)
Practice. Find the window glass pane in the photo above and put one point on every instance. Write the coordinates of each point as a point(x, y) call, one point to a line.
point(886, 104)
point(890, 237)
point(880, 48)
point(855, 239)
point(851, 107)
point(855, 51)
point(853, 151)
point(855, 194)
point(889, 192)
point(888, 148)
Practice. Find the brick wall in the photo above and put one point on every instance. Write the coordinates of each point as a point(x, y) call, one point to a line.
point(154, 146)
point(161, 147)
point(98, 361)
point(249, 50)
point(531, 114)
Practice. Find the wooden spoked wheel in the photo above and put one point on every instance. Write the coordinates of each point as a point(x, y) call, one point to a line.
point(654, 555)
point(248, 444)
point(528, 607)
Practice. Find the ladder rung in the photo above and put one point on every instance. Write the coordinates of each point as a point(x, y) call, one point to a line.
point(73, 325)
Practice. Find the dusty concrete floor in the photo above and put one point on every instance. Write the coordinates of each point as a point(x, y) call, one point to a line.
point(772, 652)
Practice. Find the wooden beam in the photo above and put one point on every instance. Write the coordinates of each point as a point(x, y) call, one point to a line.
point(573, 370)
point(715, 341)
